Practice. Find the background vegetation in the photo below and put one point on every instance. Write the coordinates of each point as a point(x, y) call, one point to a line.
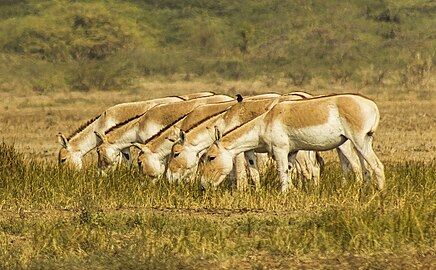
point(48, 45)
point(62, 219)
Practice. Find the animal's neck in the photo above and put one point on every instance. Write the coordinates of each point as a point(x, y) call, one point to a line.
point(244, 138)
point(161, 144)
point(85, 140)
point(200, 141)
point(124, 133)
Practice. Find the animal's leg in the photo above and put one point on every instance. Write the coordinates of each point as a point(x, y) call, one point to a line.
point(281, 158)
point(366, 153)
point(317, 166)
point(253, 168)
point(241, 173)
point(127, 156)
point(262, 160)
point(349, 161)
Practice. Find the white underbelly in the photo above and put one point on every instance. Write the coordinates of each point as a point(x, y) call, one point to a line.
point(318, 138)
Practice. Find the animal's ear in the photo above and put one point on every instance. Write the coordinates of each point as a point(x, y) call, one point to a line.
point(182, 136)
point(239, 98)
point(62, 140)
point(138, 145)
point(217, 133)
point(100, 137)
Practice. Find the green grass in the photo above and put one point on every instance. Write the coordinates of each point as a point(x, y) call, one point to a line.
point(61, 219)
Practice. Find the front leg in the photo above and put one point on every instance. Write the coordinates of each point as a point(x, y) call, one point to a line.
point(253, 168)
point(281, 158)
point(240, 172)
point(127, 156)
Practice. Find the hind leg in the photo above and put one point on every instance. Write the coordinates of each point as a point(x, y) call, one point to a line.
point(281, 158)
point(366, 153)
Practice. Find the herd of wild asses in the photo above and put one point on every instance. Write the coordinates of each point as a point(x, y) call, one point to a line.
point(210, 136)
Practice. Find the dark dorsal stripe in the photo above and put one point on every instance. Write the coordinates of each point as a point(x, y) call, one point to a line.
point(298, 95)
point(243, 124)
point(123, 123)
point(164, 129)
point(205, 119)
point(182, 98)
point(235, 128)
point(82, 127)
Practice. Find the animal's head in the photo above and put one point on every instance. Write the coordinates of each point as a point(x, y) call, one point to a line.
point(67, 156)
point(217, 163)
point(182, 161)
point(109, 157)
point(150, 163)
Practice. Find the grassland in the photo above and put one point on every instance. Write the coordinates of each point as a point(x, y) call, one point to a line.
point(63, 62)
point(55, 218)
point(61, 219)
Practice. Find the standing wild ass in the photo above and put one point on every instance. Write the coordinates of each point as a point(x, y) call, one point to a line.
point(316, 124)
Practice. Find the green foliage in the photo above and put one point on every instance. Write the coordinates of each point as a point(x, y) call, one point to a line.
point(335, 41)
point(59, 218)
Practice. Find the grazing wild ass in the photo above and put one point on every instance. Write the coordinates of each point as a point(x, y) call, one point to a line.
point(143, 126)
point(316, 124)
point(154, 151)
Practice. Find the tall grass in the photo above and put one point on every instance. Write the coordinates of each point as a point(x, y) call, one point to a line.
point(59, 218)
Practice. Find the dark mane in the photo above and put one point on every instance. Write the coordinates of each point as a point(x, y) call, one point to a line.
point(235, 128)
point(82, 127)
point(298, 95)
point(204, 120)
point(123, 123)
point(164, 129)
point(328, 95)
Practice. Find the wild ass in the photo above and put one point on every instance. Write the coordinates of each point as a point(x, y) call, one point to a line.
point(143, 126)
point(77, 145)
point(316, 124)
point(154, 151)
point(193, 142)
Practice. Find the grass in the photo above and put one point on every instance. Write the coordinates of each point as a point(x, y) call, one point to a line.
point(58, 218)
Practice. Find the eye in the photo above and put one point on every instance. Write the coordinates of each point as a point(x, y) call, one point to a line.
point(63, 160)
point(211, 158)
point(176, 155)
